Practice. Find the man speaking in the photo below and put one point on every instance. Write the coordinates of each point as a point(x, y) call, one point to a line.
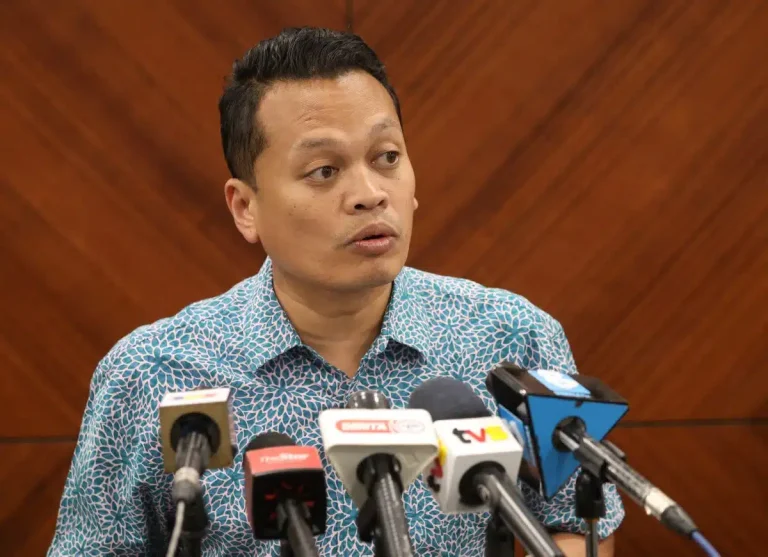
point(312, 135)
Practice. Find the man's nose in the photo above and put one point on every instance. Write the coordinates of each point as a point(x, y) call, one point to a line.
point(367, 194)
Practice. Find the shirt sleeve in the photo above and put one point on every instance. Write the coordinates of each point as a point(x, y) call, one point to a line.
point(559, 513)
point(104, 508)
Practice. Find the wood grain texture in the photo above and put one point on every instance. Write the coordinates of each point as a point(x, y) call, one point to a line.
point(112, 212)
point(611, 167)
point(717, 474)
point(714, 473)
point(607, 160)
point(31, 481)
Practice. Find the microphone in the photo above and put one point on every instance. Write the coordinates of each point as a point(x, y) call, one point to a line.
point(478, 462)
point(196, 433)
point(564, 419)
point(285, 493)
point(377, 452)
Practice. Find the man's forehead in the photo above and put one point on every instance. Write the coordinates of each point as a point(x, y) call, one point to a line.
point(299, 108)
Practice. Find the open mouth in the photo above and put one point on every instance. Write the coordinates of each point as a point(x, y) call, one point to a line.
point(377, 237)
point(375, 244)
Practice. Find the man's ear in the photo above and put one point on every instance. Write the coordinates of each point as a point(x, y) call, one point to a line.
point(241, 200)
point(415, 203)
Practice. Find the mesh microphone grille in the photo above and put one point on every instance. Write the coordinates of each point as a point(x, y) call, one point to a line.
point(269, 439)
point(367, 400)
point(446, 398)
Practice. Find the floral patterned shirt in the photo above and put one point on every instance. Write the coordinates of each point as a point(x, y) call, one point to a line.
point(117, 497)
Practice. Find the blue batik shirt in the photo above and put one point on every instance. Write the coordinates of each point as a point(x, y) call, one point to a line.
point(117, 496)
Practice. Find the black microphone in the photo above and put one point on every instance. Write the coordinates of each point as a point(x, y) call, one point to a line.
point(478, 462)
point(285, 493)
point(196, 434)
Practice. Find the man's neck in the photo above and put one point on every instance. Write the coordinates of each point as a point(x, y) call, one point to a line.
point(340, 326)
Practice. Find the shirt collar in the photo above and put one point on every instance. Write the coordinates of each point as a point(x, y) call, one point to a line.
point(267, 326)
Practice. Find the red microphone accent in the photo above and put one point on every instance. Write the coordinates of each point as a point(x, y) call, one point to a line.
point(277, 473)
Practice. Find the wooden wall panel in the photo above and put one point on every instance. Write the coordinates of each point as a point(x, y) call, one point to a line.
point(717, 474)
point(609, 161)
point(111, 205)
point(714, 473)
point(112, 210)
point(32, 477)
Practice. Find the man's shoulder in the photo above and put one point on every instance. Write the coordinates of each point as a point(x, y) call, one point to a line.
point(194, 326)
point(476, 326)
point(445, 295)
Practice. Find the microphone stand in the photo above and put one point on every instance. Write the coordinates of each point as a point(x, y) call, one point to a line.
point(590, 502)
point(299, 540)
point(367, 529)
point(590, 505)
point(499, 541)
point(506, 503)
point(379, 520)
point(370, 531)
point(194, 527)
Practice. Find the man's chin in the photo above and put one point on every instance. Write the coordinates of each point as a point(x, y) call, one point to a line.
point(371, 273)
point(344, 274)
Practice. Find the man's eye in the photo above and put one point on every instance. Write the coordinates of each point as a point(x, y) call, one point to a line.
point(323, 173)
point(390, 158)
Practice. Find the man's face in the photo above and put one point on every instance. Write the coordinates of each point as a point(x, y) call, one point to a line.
point(335, 162)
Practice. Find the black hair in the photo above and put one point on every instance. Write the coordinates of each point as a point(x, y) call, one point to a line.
point(297, 53)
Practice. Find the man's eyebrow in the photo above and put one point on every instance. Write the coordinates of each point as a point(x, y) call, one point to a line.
point(382, 125)
point(310, 143)
point(316, 142)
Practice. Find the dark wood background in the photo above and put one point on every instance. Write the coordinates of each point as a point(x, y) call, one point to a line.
point(606, 159)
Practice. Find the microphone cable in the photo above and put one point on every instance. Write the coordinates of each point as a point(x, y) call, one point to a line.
point(703, 542)
point(176, 534)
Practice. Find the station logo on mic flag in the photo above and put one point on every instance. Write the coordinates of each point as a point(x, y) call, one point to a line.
point(560, 383)
point(352, 435)
point(481, 435)
point(267, 460)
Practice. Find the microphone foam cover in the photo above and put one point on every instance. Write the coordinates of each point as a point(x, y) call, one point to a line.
point(446, 398)
point(269, 439)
